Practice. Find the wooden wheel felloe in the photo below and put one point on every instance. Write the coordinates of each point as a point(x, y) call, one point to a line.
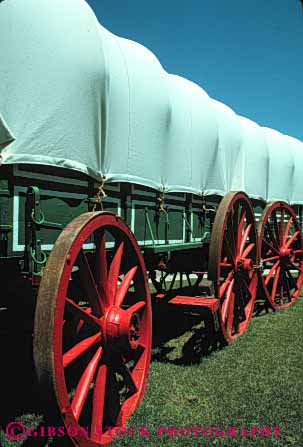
point(92, 340)
point(281, 250)
point(233, 256)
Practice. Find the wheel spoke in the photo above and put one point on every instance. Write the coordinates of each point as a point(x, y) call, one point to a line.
point(101, 270)
point(226, 302)
point(287, 286)
point(124, 286)
point(244, 238)
point(98, 404)
point(273, 258)
point(275, 283)
point(246, 287)
point(292, 282)
point(89, 284)
point(138, 358)
point(271, 271)
point(272, 237)
point(84, 385)
point(136, 307)
point(287, 230)
point(83, 314)
point(295, 267)
point(230, 252)
point(80, 348)
point(247, 250)
point(276, 227)
point(81, 322)
point(240, 232)
point(114, 272)
point(242, 304)
point(225, 265)
point(298, 251)
point(281, 228)
point(128, 378)
point(233, 224)
point(290, 241)
point(225, 284)
point(269, 245)
point(230, 317)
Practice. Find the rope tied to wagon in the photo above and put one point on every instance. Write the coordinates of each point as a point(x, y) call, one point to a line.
point(100, 195)
point(161, 209)
point(161, 200)
point(205, 208)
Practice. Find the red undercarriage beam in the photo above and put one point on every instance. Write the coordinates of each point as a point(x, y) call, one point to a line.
point(211, 303)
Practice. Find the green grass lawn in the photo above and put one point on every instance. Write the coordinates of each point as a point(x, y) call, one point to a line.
point(256, 381)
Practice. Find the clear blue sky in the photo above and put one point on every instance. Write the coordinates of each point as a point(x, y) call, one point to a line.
point(247, 54)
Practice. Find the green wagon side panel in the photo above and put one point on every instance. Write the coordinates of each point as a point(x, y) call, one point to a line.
point(158, 223)
point(5, 211)
point(196, 225)
point(176, 224)
point(55, 210)
point(140, 226)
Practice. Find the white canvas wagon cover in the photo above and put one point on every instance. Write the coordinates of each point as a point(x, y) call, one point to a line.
point(74, 95)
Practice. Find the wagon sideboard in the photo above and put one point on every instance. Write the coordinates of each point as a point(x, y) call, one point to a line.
point(58, 197)
point(184, 222)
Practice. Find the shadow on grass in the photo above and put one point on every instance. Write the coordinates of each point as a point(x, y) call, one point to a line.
point(21, 400)
point(192, 334)
point(184, 337)
point(18, 382)
point(262, 306)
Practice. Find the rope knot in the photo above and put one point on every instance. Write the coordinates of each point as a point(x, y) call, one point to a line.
point(100, 195)
point(161, 200)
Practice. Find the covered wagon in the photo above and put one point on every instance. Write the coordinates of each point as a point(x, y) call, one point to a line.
point(117, 176)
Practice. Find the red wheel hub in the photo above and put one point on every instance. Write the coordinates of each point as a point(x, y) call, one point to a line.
point(285, 253)
point(121, 329)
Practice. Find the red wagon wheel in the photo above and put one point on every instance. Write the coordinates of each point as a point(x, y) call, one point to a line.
point(92, 340)
point(233, 255)
point(281, 249)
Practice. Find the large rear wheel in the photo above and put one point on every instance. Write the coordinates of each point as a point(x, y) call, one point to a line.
point(281, 249)
point(232, 260)
point(92, 340)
